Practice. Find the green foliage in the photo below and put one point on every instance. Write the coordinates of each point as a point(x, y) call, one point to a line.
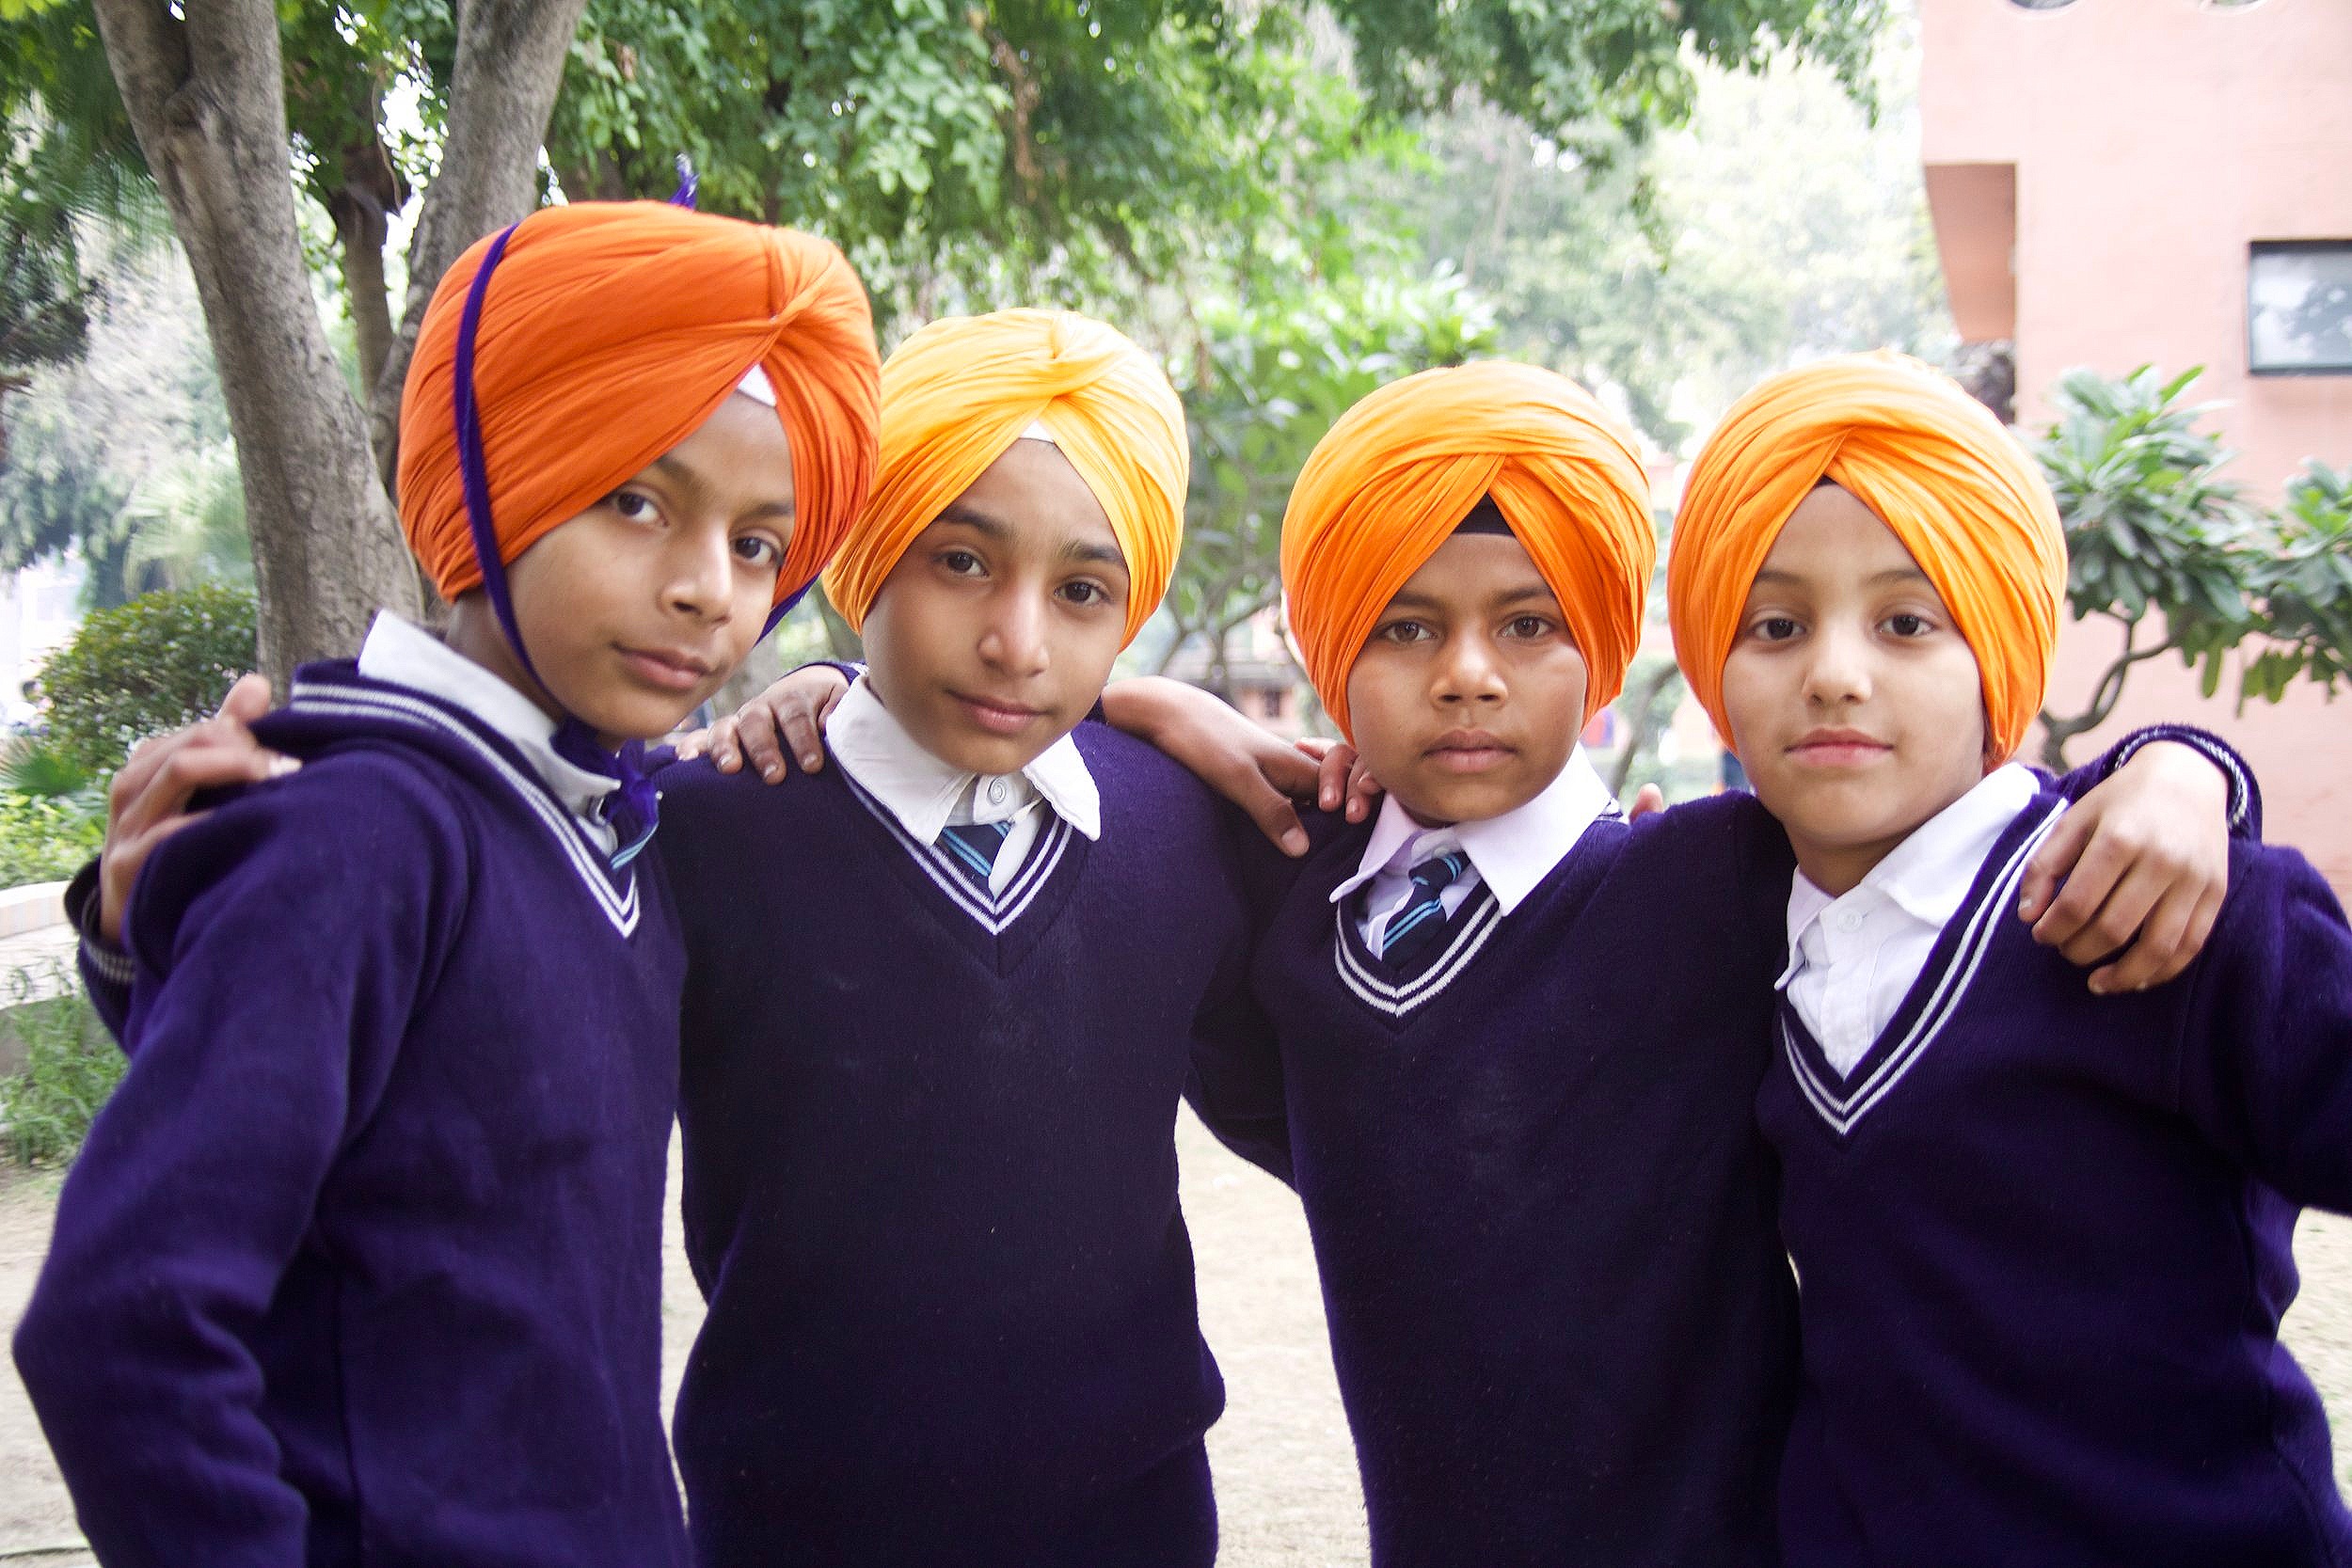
point(162, 660)
point(1275, 371)
point(45, 838)
point(2306, 586)
point(72, 1065)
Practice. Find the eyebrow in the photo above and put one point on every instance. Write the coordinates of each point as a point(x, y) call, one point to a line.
point(1405, 598)
point(683, 475)
point(1892, 573)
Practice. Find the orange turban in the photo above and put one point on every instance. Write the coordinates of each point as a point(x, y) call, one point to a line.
point(1936, 467)
point(961, 390)
point(608, 333)
point(1401, 469)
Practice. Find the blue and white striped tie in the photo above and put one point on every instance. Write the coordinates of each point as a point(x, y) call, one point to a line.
point(973, 846)
point(1415, 929)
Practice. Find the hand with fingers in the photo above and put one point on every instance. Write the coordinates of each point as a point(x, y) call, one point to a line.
point(783, 725)
point(148, 800)
point(2144, 863)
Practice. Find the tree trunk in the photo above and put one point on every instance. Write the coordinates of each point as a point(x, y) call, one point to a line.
point(510, 62)
point(1637, 729)
point(206, 97)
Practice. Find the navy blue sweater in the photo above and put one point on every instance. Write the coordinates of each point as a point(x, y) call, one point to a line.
point(2046, 1239)
point(930, 1177)
point(1564, 1328)
point(361, 1264)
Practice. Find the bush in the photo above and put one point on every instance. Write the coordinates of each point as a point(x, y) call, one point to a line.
point(154, 664)
point(46, 838)
point(71, 1066)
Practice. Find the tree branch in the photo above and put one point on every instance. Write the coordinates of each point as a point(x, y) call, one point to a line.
point(510, 62)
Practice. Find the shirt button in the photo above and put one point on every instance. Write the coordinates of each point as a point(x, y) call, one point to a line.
point(996, 792)
point(1850, 921)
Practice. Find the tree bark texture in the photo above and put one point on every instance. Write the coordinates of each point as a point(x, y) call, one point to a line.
point(510, 62)
point(206, 96)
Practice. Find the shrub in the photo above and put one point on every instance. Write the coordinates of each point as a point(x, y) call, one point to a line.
point(46, 838)
point(71, 1066)
point(161, 661)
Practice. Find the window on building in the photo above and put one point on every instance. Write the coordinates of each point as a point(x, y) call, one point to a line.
point(2298, 308)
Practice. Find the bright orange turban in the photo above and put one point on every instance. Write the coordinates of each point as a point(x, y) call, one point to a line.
point(608, 332)
point(1400, 470)
point(961, 390)
point(1937, 469)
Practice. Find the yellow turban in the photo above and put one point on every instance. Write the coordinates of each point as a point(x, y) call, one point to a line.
point(608, 333)
point(1937, 469)
point(1401, 469)
point(961, 391)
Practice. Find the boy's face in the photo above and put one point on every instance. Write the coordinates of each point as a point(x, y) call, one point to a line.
point(1856, 705)
point(992, 636)
point(1468, 695)
point(636, 609)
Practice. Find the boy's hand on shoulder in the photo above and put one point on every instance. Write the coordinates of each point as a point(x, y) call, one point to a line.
point(1249, 764)
point(1341, 774)
point(788, 717)
point(148, 800)
point(2145, 860)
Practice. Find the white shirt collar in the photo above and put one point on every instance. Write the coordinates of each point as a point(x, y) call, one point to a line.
point(925, 793)
point(1513, 852)
point(1928, 875)
point(409, 656)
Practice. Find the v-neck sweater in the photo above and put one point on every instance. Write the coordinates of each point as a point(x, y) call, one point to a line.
point(361, 1264)
point(2046, 1239)
point(931, 1176)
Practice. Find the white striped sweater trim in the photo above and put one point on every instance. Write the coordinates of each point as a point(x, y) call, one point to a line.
point(1394, 999)
point(995, 912)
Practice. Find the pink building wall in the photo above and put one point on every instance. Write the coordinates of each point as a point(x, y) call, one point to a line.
point(2124, 153)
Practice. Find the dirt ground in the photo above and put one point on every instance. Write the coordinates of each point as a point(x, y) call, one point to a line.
point(1286, 1482)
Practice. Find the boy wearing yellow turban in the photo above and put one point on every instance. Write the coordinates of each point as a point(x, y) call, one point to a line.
point(362, 1261)
point(937, 1024)
point(2045, 1241)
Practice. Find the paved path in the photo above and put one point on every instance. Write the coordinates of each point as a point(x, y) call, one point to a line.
point(1286, 1482)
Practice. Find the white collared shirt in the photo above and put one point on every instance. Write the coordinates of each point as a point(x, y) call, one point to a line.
point(1853, 958)
point(1511, 854)
point(926, 794)
point(409, 656)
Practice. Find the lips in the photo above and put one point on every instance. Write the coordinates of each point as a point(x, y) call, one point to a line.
point(996, 715)
point(668, 669)
point(1467, 751)
point(1838, 748)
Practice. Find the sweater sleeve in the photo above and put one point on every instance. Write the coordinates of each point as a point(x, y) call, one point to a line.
point(2265, 1050)
point(281, 947)
point(2244, 806)
point(1236, 1081)
point(106, 967)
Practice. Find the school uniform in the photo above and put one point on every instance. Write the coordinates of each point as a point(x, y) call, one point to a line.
point(1512, 1074)
point(2046, 1238)
point(931, 1191)
point(361, 1264)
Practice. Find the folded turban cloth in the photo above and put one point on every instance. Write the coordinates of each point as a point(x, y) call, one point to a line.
point(607, 334)
point(1402, 469)
point(1937, 469)
point(961, 391)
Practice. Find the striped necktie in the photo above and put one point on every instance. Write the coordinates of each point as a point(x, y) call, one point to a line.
point(973, 846)
point(1412, 931)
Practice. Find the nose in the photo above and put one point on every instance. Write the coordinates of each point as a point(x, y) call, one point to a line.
point(1837, 670)
point(702, 572)
point(1467, 673)
point(1015, 639)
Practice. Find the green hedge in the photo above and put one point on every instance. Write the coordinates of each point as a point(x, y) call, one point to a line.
point(45, 838)
point(72, 1065)
point(161, 661)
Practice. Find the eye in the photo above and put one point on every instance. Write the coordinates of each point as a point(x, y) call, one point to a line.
point(1905, 624)
point(1773, 629)
point(1085, 593)
point(757, 549)
point(1527, 625)
point(961, 563)
point(1403, 632)
point(635, 505)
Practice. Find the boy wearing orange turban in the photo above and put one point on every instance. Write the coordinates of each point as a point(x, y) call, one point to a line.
point(937, 1025)
point(2045, 1241)
point(363, 1259)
